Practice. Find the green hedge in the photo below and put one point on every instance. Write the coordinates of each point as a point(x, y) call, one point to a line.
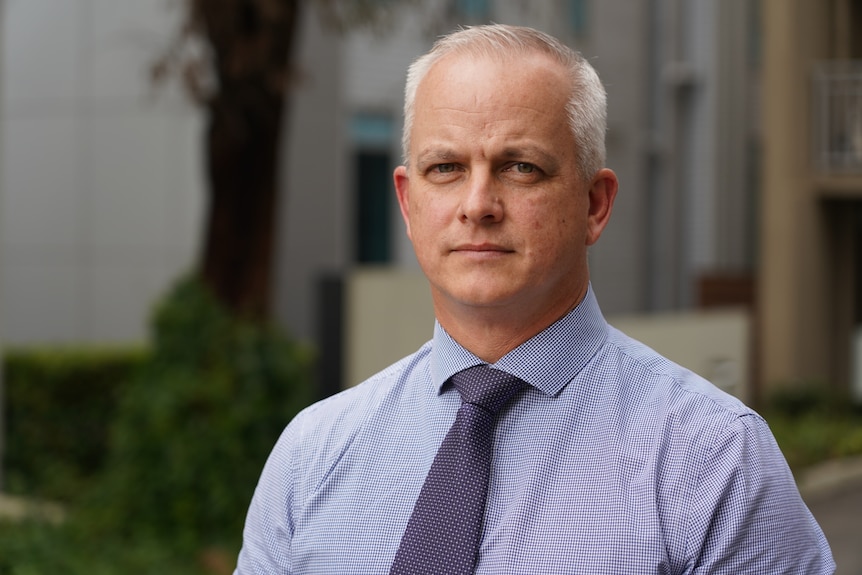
point(59, 404)
point(157, 452)
point(813, 423)
point(195, 426)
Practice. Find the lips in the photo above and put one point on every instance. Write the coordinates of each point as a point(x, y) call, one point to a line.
point(482, 248)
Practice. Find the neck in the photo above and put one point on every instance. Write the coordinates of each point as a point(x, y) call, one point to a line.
point(489, 333)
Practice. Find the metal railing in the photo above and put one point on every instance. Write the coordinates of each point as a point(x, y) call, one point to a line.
point(837, 126)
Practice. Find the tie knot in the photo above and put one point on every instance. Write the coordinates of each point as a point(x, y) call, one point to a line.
point(486, 387)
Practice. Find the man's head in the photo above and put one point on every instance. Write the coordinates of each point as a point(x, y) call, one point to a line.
point(587, 104)
point(500, 195)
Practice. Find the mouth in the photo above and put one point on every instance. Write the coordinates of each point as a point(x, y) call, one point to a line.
point(482, 249)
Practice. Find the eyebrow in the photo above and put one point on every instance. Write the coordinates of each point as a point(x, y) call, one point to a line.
point(435, 155)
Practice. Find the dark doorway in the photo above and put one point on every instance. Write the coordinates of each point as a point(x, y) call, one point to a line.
point(374, 197)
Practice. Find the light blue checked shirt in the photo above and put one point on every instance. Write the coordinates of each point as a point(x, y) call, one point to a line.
point(615, 461)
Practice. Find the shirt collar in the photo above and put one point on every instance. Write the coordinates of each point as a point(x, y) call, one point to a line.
point(547, 361)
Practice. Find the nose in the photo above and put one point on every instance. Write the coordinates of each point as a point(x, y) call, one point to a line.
point(481, 203)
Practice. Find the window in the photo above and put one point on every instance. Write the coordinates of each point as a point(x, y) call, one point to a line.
point(578, 12)
point(372, 136)
point(472, 10)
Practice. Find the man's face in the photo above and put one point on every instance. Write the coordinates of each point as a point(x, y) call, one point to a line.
point(494, 205)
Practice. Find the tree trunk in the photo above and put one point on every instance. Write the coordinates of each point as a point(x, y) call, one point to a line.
point(242, 150)
point(253, 52)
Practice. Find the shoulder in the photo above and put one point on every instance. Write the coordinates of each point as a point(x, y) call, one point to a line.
point(650, 374)
point(322, 432)
point(310, 449)
point(652, 399)
point(343, 413)
point(719, 469)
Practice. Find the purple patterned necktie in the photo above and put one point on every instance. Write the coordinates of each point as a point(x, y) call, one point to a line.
point(443, 533)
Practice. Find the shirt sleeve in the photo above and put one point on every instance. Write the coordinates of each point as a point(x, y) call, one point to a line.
point(268, 531)
point(747, 515)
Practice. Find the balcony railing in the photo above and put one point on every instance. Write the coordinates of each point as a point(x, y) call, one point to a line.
point(838, 117)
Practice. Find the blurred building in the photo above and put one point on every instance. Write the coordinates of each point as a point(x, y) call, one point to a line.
point(721, 185)
point(683, 85)
point(810, 292)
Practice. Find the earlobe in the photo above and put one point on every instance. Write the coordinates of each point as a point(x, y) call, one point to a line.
point(402, 185)
point(602, 194)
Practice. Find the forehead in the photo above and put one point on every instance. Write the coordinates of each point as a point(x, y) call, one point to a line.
point(505, 65)
point(466, 81)
point(493, 94)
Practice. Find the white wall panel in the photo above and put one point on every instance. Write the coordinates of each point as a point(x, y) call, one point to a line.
point(129, 196)
point(40, 172)
point(43, 300)
point(43, 51)
point(101, 172)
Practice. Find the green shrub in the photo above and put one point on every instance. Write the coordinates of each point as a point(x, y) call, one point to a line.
point(803, 398)
point(32, 548)
point(58, 405)
point(195, 425)
point(813, 423)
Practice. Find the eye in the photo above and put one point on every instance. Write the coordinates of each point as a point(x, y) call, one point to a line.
point(523, 172)
point(443, 173)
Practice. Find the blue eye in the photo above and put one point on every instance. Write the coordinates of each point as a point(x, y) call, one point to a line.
point(445, 168)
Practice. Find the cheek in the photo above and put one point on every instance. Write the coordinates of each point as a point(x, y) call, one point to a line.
point(425, 225)
point(431, 213)
point(558, 237)
point(550, 221)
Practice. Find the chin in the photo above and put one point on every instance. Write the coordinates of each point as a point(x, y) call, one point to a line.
point(484, 298)
point(484, 290)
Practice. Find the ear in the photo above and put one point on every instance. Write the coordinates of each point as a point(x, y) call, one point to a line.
point(603, 191)
point(402, 185)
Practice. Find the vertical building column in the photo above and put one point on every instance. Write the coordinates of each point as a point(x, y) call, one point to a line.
point(778, 290)
point(793, 296)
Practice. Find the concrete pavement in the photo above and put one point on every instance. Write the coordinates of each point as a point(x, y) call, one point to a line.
point(833, 492)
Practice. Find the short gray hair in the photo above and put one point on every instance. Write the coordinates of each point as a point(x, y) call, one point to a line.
point(587, 105)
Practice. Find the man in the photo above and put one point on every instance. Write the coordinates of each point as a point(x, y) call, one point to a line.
point(611, 459)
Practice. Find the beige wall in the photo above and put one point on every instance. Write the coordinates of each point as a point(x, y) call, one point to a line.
point(389, 315)
point(715, 344)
